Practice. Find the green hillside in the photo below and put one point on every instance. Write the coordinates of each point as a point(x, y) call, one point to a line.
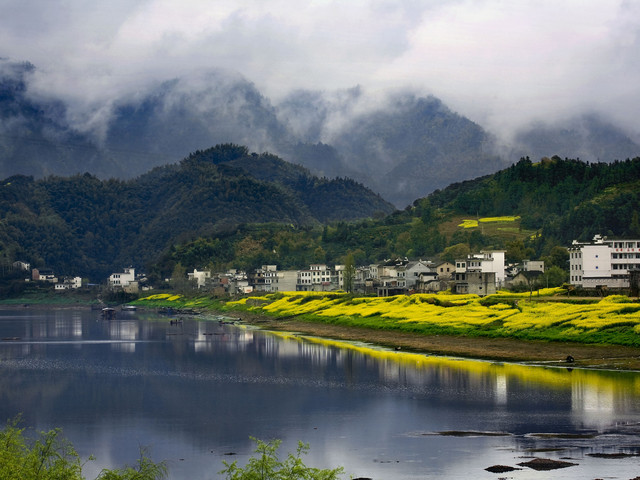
point(225, 207)
point(84, 226)
point(533, 210)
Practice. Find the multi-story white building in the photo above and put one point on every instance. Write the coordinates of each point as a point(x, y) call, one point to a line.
point(603, 263)
point(125, 280)
point(484, 262)
point(317, 278)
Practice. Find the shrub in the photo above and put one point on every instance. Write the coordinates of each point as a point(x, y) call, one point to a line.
point(265, 465)
point(52, 457)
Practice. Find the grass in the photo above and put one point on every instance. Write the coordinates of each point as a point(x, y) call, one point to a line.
point(507, 228)
point(177, 301)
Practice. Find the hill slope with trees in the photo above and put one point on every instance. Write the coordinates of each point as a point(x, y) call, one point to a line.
point(532, 210)
point(227, 208)
point(85, 226)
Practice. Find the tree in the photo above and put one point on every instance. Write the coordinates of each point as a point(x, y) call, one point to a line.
point(516, 251)
point(454, 252)
point(349, 273)
point(319, 255)
point(48, 457)
point(265, 465)
point(634, 228)
point(554, 277)
point(179, 277)
point(558, 256)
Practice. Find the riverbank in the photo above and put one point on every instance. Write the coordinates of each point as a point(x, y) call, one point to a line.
point(609, 357)
point(485, 339)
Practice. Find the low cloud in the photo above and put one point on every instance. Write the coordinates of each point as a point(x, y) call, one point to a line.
point(502, 64)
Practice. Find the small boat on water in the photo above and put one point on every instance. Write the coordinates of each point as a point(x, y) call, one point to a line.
point(108, 313)
point(128, 308)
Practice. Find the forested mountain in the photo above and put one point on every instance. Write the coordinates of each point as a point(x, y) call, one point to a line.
point(410, 147)
point(86, 226)
point(550, 204)
point(564, 199)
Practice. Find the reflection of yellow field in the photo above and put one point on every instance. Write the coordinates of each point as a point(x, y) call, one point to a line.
point(613, 320)
point(605, 382)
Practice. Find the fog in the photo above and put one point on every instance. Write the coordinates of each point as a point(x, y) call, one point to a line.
point(502, 64)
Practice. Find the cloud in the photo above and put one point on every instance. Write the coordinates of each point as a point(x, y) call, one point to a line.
point(502, 64)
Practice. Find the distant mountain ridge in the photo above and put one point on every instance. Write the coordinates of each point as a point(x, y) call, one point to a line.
point(403, 147)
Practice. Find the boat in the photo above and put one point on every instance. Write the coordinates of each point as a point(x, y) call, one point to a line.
point(128, 308)
point(108, 313)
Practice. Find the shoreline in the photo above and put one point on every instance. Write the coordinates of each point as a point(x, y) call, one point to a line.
point(527, 352)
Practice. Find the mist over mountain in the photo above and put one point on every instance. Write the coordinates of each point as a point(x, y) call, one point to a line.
point(400, 144)
point(589, 137)
point(35, 138)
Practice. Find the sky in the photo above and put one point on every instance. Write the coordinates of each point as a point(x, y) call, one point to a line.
point(501, 63)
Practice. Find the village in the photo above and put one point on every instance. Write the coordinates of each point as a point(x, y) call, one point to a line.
point(599, 264)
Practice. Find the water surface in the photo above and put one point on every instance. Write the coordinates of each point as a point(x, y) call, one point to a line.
point(193, 393)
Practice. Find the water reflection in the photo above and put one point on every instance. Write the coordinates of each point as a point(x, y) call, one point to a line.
point(199, 388)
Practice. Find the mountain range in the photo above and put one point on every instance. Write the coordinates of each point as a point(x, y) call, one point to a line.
point(403, 147)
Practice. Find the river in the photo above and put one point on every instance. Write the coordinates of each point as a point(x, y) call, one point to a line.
point(193, 393)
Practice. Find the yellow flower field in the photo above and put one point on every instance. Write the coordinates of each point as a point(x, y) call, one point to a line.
point(468, 223)
point(613, 320)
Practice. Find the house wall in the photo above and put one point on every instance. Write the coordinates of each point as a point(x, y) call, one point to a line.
point(122, 279)
point(493, 261)
point(603, 263)
point(287, 280)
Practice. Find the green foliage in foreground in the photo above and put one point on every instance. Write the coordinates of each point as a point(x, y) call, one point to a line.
point(52, 457)
point(266, 465)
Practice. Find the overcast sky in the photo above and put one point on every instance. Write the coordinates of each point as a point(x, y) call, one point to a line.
point(497, 62)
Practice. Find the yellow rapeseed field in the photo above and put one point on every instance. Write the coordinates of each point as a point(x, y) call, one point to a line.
point(468, 223)
point(613, 320)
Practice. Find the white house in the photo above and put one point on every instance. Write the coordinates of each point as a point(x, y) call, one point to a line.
point(603, 263)
point(414, 269)
point(316, 278)
point(533, 266)
point(43, 275)
point(200, 277)
point(21, 265)
point(69, 284)
point(484, 262)
point(123, 280)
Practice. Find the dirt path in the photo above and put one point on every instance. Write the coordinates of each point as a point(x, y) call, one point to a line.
point(506, 349)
